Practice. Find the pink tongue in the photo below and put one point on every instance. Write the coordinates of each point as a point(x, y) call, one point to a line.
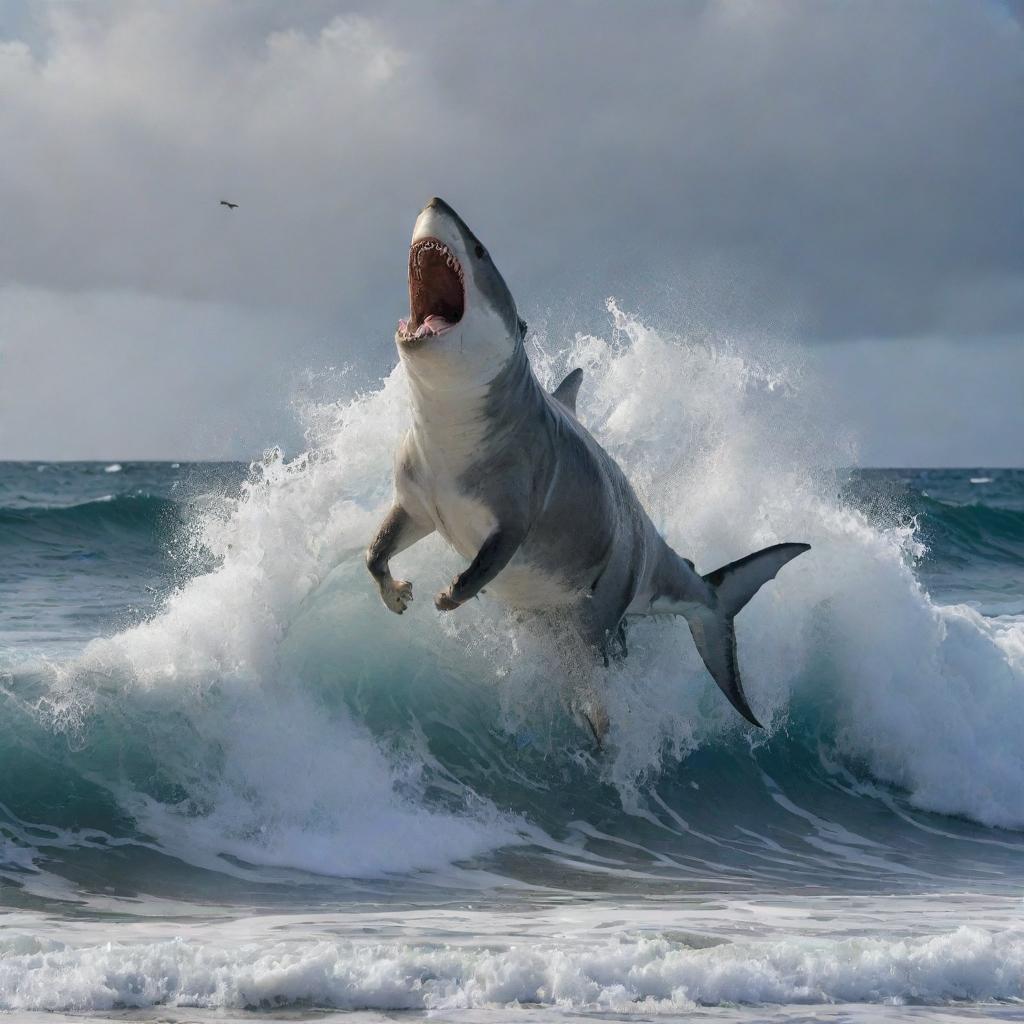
point(434, 324)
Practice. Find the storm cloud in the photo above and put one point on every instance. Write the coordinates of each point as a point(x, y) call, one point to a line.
point(837, 174)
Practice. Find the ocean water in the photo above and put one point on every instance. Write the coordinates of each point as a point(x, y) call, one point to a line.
point(231, 782)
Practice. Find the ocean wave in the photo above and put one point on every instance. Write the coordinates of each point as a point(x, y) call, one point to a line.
point(274, 713)
point(108, 511)
point(967, 533)
point(635, 974)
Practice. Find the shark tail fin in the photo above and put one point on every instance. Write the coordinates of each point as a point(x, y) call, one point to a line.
point(734, 585)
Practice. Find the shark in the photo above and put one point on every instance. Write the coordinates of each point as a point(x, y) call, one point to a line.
point(506, 473)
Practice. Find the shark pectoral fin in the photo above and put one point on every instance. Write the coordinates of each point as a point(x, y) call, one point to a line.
point(567, 391)
point(715, 638)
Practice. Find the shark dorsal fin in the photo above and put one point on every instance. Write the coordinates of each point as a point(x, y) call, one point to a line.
point(566, 391)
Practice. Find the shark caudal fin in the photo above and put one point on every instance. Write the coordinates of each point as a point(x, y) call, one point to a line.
point(734, 585)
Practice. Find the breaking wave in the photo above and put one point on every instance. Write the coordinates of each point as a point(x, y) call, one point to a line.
point(271, 715)
point(629, 975)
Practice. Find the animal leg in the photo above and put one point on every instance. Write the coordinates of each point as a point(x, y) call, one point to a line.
point(493, 556)
point(583, 674)
point(398, 532)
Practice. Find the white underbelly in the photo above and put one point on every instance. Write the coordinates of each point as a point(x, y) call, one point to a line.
point(527, 586)
point(464, 522)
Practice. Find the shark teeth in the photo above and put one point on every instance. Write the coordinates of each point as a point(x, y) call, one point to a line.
point(430, 327)
point(434, 245)
point(436, 291)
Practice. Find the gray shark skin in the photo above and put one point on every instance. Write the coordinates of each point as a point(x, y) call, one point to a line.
point(507, 474)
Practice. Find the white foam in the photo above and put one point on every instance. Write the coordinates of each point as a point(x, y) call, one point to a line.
point(731, 454)
point(273, 772)
point(625, 975)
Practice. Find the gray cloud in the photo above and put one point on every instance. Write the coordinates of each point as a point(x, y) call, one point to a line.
point(116, 374)
point(925, 404)
point(831, 172)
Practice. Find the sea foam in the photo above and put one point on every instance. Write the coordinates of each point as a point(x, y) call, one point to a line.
point(629, 975)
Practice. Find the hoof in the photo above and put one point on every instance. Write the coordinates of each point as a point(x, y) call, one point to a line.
point(397, 595)
point(444, 602)
point(595, 719)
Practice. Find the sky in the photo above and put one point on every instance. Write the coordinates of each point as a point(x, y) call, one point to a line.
point(841, 177)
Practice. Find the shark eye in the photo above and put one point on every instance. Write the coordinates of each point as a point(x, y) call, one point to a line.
point(480, 251)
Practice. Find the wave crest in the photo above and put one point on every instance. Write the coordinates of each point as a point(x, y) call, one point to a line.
point(273, 711)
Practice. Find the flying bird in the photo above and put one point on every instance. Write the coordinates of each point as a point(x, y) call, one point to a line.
point(230, 206)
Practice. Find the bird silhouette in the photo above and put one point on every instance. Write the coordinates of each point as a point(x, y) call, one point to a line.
point(230, 206)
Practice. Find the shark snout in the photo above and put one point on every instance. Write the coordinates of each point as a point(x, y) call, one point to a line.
point(437, 219)
point(437, 203)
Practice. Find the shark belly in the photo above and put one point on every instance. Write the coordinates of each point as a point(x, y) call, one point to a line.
point(522, 585)
point(464, 522)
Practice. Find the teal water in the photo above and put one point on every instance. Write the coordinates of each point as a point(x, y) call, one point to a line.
point(220, 753)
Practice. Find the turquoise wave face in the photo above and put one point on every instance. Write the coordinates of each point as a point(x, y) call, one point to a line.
point(970, 523)
point(150, 772)
point(201, 695)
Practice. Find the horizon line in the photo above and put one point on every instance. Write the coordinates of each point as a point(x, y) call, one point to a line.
point(121, 460)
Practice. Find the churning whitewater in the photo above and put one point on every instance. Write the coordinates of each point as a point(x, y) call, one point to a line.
point(207, 713)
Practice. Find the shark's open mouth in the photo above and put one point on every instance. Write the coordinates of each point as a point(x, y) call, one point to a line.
point(437, 298)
